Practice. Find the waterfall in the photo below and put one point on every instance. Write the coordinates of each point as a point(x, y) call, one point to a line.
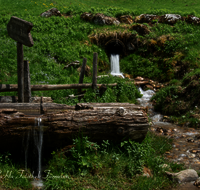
point(38, 140)
point(145, 102)
point(115, 68)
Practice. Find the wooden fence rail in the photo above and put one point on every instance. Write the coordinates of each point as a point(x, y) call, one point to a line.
point(14, 87)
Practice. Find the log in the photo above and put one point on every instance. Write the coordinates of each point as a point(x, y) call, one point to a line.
point(14, 99)
point(107, 120)
point(101, 122)
point(14, 87)
point(36, 108)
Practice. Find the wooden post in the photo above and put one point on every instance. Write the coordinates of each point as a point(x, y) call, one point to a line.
point(27, 85)
point(82, 73)
point(20, 71)
point(94, 79)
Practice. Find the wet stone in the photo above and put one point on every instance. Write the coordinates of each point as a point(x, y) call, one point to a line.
point(190, 140)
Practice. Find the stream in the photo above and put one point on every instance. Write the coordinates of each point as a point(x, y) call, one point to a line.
point(186, 141)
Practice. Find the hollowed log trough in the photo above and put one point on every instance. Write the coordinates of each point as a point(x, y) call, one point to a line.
point(61, 123)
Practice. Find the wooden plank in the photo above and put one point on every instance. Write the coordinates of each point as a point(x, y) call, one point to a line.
point(14, 87)
point(82, 72)
point(19, 30)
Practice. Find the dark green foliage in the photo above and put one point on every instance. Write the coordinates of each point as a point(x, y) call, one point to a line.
point(120, 163)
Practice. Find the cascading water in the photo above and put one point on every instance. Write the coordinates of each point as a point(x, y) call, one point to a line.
point(32, 143)
point(115, 68)
point(38, 140)
point(145, 101)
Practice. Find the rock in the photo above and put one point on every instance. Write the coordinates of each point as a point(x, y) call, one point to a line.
point(127, 76)
point(192, 19)
point(141, 29)
point(166, 167)
point(51, 12)
point(127, 19)
point(87, 16)
point(190, 140)
point(170, 18)
point(147, 172)
point(197, 182)
point(87, 70)
point(184, 176)
point(149, 87)
point(146, 18)
point(74, 64)
point(101, 19)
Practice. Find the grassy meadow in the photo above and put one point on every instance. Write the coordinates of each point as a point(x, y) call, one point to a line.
point(61, 40)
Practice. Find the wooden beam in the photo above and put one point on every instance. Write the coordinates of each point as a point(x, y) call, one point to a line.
point(82, 72)
point(14, 87)
point(27, 85)
point(20, 71)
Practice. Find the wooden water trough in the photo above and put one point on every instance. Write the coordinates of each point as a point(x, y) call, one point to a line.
point(61, 123)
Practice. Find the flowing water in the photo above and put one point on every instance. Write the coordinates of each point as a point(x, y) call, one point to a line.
point(115, 68)
point(186, 141)
point(38, 140)
point(32, 143)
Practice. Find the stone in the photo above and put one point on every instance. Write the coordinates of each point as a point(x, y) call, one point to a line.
point(51, 12)
point(87, 16)
point(101, 19)
point(141, 29)
point(127, 19)
point(170, 18)
point(197, 182)
point(146, 18)
point(147, 172)
point(190, 140)
point(184, 176)
point(192, 19)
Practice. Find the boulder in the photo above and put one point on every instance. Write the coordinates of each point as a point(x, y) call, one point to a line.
point(51, 12)
point(146, 18)
point(87, 16)
point(127, 19)
point(184, 176)
point(170, 18)
point(197, 183)
point(192, 19)
point(101, 19)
